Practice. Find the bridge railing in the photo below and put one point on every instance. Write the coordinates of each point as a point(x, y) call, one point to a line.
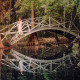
point(41, 23)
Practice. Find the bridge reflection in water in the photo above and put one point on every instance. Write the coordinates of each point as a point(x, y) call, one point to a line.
point(24, 63)
point(19, 62)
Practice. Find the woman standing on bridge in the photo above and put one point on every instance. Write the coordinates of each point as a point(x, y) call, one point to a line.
point(20, 25)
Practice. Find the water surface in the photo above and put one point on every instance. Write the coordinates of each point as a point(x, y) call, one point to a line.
point(44, 62)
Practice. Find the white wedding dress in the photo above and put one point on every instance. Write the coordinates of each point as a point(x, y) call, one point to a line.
point(20, 27)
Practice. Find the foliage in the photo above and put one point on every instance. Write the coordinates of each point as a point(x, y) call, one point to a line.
point(75, 48)
point(78, 8)
point(7, 11)
point(42, 7)
point(27, 5)
point(4, 11)
point(45, 75)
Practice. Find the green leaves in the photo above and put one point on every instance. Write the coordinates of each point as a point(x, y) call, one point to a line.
point(45, 7)
point(78, 8)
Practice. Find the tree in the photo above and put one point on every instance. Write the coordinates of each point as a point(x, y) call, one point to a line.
point(3, 11)
point(7, 12)
point(13, 11)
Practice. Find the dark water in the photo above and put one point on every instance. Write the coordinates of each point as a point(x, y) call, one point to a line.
point(45, 62)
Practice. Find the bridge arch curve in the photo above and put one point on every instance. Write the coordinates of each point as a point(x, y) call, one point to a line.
point(58, 29)
point(40, 26)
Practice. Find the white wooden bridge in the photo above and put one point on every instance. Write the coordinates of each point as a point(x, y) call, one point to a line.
point(11, 32)
point(24, 63)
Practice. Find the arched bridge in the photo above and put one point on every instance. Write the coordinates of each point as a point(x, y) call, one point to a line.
point(21, 62)
point(12, 35)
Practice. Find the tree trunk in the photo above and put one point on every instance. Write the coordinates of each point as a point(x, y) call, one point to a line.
point(1, 52)
point(0, 17)
point(55, 34)
point(32, 15)
point(36, 41)
point(56, 37)
point(13, 15)
point(64, 15)
point(33, 39)
point(1, 44)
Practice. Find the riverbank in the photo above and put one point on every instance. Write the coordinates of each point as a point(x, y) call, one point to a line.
point(63, 40)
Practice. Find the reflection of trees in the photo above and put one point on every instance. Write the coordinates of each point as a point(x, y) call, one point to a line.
point(33, 50)
point(63, 73)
